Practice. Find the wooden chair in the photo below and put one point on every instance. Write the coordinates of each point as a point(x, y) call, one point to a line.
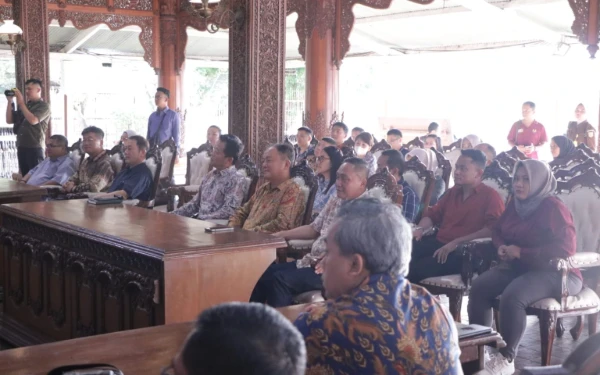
point(507, 162)
point(516, 154)
point(380, 147)
point(348, 152)
point(585, 360)
point(575, 159)
point(457, 285)
point(445, 165)
point(567, 174)
point(581, 195)
point(308, 182)
point(247, 167)
point(453, 146)
point(417, 142)
point(117, 158)
point(76, 153)
point(348, 143)
point(421, 181)
point(168, 151)
point(589, 152)
point(154, 163)
point(198, 165)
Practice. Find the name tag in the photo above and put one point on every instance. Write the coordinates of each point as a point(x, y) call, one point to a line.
point(520, 130)
point(534, 130)
point(590, 133)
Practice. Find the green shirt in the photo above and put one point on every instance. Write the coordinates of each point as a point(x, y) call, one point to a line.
point(32, 135)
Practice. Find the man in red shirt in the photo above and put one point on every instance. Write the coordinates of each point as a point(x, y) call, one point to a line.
point(466, 212)
point(527, 134)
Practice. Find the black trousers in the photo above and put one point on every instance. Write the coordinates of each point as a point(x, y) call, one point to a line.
point(29, 158)
point(423, 265)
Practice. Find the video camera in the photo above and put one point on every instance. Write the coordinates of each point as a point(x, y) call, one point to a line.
point(10, 92)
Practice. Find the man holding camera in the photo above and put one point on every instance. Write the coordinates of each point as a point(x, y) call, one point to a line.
point(30, 123)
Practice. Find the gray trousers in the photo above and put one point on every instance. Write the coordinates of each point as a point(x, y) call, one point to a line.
point(517, 291)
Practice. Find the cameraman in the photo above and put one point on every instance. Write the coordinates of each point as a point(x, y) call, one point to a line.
point(30, 124)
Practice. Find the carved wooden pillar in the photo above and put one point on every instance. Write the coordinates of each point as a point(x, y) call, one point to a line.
point(586, 25)
point(34, 60)
point(168, 74)
point(257, 73)
point(322, 77)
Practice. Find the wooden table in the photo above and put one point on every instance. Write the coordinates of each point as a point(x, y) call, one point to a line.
point(72, 269)
point(148, 350)
point(16, 192)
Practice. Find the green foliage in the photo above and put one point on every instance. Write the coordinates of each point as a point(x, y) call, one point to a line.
point(203, 82)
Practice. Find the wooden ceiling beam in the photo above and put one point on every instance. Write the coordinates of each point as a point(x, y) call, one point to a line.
point(101, 10)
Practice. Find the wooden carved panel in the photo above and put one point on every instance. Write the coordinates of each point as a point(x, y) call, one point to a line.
point(238, 79)
point(94, 3)
point(6, 12)
point(133, 4)
point(581, 25)
point(114, 22)
point(64, 294)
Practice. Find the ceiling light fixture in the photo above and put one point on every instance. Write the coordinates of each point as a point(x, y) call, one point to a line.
point(217, 14)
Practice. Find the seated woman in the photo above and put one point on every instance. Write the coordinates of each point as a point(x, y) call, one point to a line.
point(470, 141)
point(326, 168)
point(561, 148)
point(126, 134)
point(535, 227)
point(362, 146)
point(427, 157)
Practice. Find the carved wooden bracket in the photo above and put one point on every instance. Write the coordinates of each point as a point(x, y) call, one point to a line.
point(586, 24)
point(335, 15)
point(114, 22)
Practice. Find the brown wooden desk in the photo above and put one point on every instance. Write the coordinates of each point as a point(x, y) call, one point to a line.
point(72, 269)
point(147, 351)
point(16, 192)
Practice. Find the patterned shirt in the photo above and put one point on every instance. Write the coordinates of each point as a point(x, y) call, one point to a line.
point(410, 202)
point(94, 175)
point(58, 171)
point(386, 326)
point(271, 210)
point(220, 194)
point(322, 196)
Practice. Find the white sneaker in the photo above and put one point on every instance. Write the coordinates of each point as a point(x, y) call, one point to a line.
point(488, 352)
point(498, 365)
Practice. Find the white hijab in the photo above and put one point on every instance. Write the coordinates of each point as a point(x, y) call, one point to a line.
point(473, 139)
point(426, 156)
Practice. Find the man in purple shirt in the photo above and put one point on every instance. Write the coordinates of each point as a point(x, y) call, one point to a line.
point(163, 124)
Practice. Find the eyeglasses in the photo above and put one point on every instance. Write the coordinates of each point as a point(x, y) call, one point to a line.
point(169, 370)
point(52, 146)
point(322, 158)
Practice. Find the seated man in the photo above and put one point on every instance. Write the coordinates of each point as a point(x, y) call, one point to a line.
point(489, 151)
point(95, 173)
point(394, 138)
point(356, 131)
point(282, 281)
point(278, 204)
point(467, 211)
point(222, 190)
point(375, 321)
point(135, 180)
point(56, 169)
point(431, 141)
point(325, 142)
point(241, 338)
point(394, 161)
point(432, 136)
point(303, 146)
point(339, 133)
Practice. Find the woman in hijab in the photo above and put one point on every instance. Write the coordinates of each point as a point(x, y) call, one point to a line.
point(126, 134)
point(470, 141)
point(535, 227)
point(427, 157)
point(561, 148)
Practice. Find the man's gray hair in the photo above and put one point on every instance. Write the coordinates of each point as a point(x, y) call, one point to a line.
point(378, 232)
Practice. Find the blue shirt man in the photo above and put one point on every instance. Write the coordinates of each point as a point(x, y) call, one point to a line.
point(163, 124)
point(135, 181)
point(56, 169)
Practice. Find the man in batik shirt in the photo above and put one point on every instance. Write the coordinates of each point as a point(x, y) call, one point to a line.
point(222, 190)
point(278, 204)
point(282, 281)
point(375, 321)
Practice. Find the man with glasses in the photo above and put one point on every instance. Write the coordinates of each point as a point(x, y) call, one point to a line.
point(282, 281)
point(222, 190)
point(241, 338)
point(55, 169)
point(95, 173)
point(163, 123)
